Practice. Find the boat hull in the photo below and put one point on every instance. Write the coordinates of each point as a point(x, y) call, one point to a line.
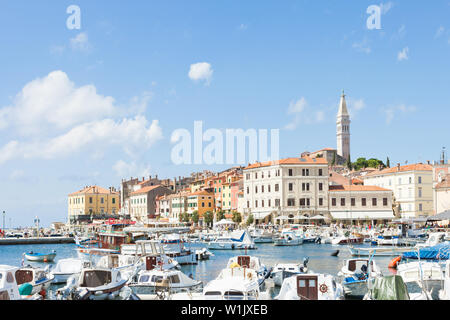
point(40, 258)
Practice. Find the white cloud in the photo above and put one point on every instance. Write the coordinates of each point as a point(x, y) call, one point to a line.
point(390, 112)
point(243, 26)
point(80, 42)
point(403, 55)
point(354, 106)
point(55, 101)
point(201, 71)
point(55, 119)
point(124, 169)
point(298, 110)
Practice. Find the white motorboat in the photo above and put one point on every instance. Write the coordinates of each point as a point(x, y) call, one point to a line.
point(386, 240)
point(434, 238)
point(282, 271)
point(355, 274)
point(99, 284)
point(203, 254)
point(39, 278)
point(288, 238)
point(311, 286)
point(156, 284)
point(9, 289)
point(367, 252)
point(421, 277)
point(234, 283)
point(250, 262)
point(150, 249)
point(128, 265)
point(66, 268)
point(261, 236)
point(235, 241)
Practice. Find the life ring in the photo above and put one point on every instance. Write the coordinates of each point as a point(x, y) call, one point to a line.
point(323, 288)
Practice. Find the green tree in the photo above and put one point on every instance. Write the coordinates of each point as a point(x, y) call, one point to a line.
point(250, 219)
point(195, 217)
point(349, 163)
point(184, 217)
point(237, 217)
point(360, 163)
point(208, 218)
point(220, 215)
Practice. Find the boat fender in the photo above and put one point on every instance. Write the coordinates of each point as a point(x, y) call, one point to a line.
point(394, 262)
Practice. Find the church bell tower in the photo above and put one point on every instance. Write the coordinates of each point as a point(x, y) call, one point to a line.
point(343, 129)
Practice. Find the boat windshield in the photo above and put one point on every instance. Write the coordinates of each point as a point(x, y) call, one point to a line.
point(234, 295)
point(96, 278)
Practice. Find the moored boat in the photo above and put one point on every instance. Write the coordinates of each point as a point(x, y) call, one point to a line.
point(40, 257)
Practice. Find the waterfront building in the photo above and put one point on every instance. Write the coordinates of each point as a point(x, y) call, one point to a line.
point(358, 203)
point(200, 201)
point(92, 201)
point(442, 194)
point(179, 205)
point(163, 207)
point(142, 202)
point(412, 186)
point(287, 187)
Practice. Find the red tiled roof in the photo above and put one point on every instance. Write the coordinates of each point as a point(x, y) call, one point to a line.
point(356, 188)
point(408, 167)
point(145, 190)
point(303, 160)
point(92, 190)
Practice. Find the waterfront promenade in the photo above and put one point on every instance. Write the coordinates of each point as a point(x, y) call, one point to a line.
point(36, 240)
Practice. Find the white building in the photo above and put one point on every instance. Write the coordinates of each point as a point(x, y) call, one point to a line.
point(412, 186)
point(287, 187)
point(355, 203)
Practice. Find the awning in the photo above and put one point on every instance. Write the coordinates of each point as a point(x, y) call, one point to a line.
point(318, 217)
point(362, 215)
point(261, 215)
point(283, 218)
point(441, 216)
point(301, 218)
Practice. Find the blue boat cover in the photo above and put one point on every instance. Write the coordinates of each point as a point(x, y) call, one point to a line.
point(440, 251)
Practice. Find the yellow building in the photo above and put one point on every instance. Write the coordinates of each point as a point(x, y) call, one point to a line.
point(202, 201)
point(93, 200)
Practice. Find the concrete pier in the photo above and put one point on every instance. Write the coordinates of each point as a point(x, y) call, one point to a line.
point(35, 240)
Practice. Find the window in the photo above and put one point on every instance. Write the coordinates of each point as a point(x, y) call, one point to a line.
point(342, 202)
point(320, 186)
point(256, 175)
point(269, 203)
point(262, 175)
point(385, 201)
point(320, 201)
point(302, 202)
point(268, 187)
point(291, 202)
point(291, 186)
point(256, 203)
point(248, 190)
point(262, 189)
point(248, 204)
point(277, 202)
point(333, 202)
point(90, 199)
point(420, 192)
point(290, 172)
point(113, 200)
point(262, 203)
point(256, 189)
point(276, 187)
point(320, 172)
point(420, 179)
point(101, 200)
point(374, 202)
point(420, 207)
point(363, 202)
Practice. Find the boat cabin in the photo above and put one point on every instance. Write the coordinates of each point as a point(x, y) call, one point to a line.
point(8, 286)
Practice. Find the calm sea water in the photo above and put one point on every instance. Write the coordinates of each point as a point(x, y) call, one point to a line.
point(320, 259)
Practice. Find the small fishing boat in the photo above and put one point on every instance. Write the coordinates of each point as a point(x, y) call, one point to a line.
point(99, 284)
point(250, 262)
point(40, 257)
point(287, 238)
point(311, 286)
point(9, 289)
point(203, 254)
point(237, 240)
point(347, 239)
point(355, 274)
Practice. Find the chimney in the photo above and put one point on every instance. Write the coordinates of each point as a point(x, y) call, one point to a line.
point(428, 161)
point(398, 166)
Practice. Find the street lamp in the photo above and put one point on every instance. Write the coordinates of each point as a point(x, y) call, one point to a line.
point(4, 215)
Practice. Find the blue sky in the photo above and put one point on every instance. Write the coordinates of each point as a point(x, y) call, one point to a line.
point(66, 95)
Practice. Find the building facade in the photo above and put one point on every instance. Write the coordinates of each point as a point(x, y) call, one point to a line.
point(93, 201)
point(412, 186)
point(142, 202)
point(356, 203)
point(287, 187)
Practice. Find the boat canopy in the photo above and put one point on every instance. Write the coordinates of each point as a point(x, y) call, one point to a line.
point(389, 288)
point(441, 216)
point(440, 251)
